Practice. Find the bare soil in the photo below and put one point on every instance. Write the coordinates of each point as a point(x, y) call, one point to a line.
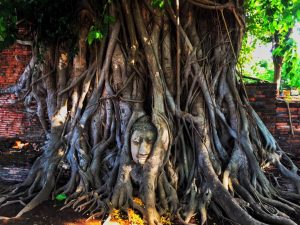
point(14, 167)
point(47, 213)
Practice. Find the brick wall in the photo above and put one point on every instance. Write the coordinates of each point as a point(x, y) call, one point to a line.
point(275, 115)
point(15, 121)
point(288, 141)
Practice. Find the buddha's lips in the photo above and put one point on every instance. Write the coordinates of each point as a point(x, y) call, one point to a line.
point(142, 158)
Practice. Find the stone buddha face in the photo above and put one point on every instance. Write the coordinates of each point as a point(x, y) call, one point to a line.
point(142, 139)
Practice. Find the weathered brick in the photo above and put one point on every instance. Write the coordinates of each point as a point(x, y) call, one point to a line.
point(275, 115)
point(14, 121)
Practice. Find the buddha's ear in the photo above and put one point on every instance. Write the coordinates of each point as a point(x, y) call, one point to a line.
point(165, 139)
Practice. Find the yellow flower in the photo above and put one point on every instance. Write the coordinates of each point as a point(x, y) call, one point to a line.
point(138, 201)
point(166, 219)
point(134, 218)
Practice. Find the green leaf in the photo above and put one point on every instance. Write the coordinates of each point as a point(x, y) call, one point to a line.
point(98, 35)
point(275, 24)
point(298, 14)
point(61, 197)
point(93, 35)
point(90, 38)
point(158, 3)
point(109, 19)
point(2, 28)
point(277, 51)
point(161, 4)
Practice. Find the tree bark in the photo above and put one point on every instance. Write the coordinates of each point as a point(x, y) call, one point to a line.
point(277, 61)
point(198, 146)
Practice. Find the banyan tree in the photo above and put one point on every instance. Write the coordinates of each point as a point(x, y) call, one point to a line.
point(143, 101)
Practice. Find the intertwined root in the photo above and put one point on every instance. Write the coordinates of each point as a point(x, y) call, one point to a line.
point(210, 144)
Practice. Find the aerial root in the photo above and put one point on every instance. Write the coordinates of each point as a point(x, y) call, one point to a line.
point(171, 194)
point(278, 204)
point(80, 199)
point(98, 81)
point(90, 199)
point(82, 206)
point(259, 211)
point(9, 196)
point(94, 205)
point(68, 187)
point(100, 214)
point(185, 222)
point(68, 204)
point(275, 201)
point(5, 190)
point(13, 202)
point(266, 213)
point(41, 196)
point(28, 197)
point(138, 208)
point(295, 207)
point(6, 218)
point(162, 196)
point(87, 203)
point(73, 197)
point(3, 199)
point(291, 197)
point(289, 174)
point(122, 194)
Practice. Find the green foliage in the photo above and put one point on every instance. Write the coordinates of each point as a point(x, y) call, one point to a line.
point(94, 34)
point(8, 20)
point(100, 29)
point(160, 4)
point(60, 197)
point(263, 70)
point(248, 46)
point(109, 19)
point(291, 72)
point(272, 21)
point(51, 20)
point(265, 17)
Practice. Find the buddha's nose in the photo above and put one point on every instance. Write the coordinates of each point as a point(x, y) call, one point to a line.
point(143, 149)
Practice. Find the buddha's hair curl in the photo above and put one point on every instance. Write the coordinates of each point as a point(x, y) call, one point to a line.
point(144, 123)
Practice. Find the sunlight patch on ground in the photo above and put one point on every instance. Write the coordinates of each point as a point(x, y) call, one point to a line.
point(84, 222)
point(19, 145)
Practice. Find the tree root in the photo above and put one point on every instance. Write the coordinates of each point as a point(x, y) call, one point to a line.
point(210, 144)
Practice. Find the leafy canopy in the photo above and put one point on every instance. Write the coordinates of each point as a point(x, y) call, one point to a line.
point(272, 21)
point(8, 20)
point(51, 20)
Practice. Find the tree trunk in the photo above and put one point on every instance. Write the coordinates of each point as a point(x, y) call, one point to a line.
point(277, 61)
point(155, 111)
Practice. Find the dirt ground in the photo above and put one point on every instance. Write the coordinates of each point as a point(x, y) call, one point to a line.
point(14, 166)
point(47, 213)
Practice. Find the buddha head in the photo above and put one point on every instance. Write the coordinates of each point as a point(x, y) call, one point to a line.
point(143, 137)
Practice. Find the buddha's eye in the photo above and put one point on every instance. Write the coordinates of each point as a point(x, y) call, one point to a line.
point(150, 140)
point(136, 141)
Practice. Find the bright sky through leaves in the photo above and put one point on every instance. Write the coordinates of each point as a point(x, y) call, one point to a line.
point(263, 51)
